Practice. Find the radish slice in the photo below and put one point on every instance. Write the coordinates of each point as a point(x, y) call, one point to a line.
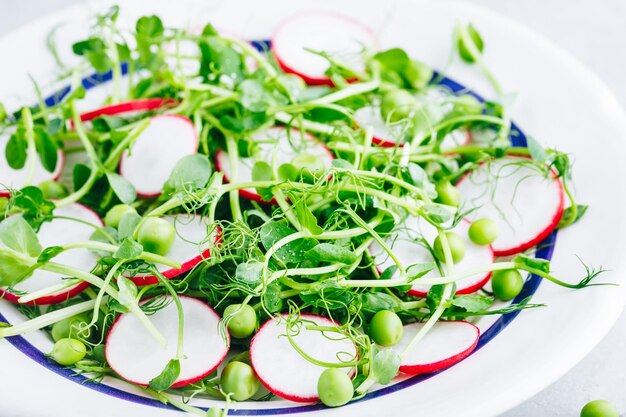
point(283, 370)
point(59, 232)
point(156, 151)
point(341, 37)
point(277, 145)
point(409, 251)
point(136, 357)
point(526, 206)
point(17, 178)
point(128, 107)
point(190, 247)
point(447, 343)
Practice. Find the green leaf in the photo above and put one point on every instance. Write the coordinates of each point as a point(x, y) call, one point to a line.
point(35, 208)
point(417, 271)
point(128, 223)
point(13, 270)
point(46, 149)
point(415, 174)
point(123, 189)
point(342, 164)
point(15, 151)
point(395, 59)
point(433, 299)
point(417, 74)
point(49, 253)
point(523, 262)
point(94, 50)
point(262, 171)
point(389, 272)
point(288, 172)
point(80, 174)
point(437, 213)
point(128, 292)
point(307, 219)
point(475, 38)
point(567, 214)
point(327, 252)
point(219, 58)
point(16, 234)
point(273, 231)
point(253, 96)
point(149, 28)
point(272, 299)
point(373, 302)
point(167, 377)
point(386, 365)
point(472, 303)
point(129, 249)
point(537, 152)
point(190, 173)
point(249, 272)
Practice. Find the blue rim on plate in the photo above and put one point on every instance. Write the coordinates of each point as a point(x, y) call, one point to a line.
point(546, 248)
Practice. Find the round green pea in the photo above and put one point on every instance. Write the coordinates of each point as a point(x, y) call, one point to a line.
point(483, 231)
point(457, 247)
point(397, 105)
point(215, 412)
point(386, 328)
point(73, 327)
point(67, 351)
point(115, 214)
point(239, 380)
point(334, 387)
point(507, 284)
point(447, 194)
point(599, 408)
point(53, 190)
point(244, 321)
point(156, 235)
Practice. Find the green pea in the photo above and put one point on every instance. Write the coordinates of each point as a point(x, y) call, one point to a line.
point(334, 387)
point(239, 380)
point(53, 190)
point(397, 105)
point(215, 412)
point(243, 323)
point(457, 247)
point(67, 351)
point(115, 214)
point(386, 328)
point(447, 194)
point(156, 235)
point(507, 284)
point(483, 231)
point(599, 408)
point(73, 327)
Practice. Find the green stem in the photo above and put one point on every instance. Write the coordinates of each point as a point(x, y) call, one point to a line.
point(47, 319)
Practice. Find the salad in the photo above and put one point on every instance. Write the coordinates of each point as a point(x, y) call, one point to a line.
point(308, 220)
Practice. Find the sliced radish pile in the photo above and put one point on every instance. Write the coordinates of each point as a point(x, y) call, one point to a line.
point(525, 204)
point(128, 107)
point(409, 251)
point(59, 232)
point(276, 146)
point(283, 370)
point(17, 178)
point(390, 135)
point(138, 358)
point(156, 151)
point(341, 37)
point(445, 344)
point(190, 247)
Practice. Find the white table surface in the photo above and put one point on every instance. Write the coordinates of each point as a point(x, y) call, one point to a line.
point(594, 31)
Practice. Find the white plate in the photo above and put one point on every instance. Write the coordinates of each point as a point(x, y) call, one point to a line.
point(559, 102)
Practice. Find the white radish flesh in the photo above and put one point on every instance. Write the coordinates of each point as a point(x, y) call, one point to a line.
point(156, 151)
point(342, 38)
point(516, 195)
point(283, 370)
point(59, 232)
point(409, 250)
point(138, 358)
point(445, 344)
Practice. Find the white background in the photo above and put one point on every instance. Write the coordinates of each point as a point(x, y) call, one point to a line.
point(595, 32)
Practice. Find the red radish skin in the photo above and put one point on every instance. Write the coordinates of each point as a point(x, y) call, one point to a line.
point(140, 105)
point(283, 40)
point(556, 207)
point(138, 171)
point(440, 335)
point(51, 238)
point(222, 162)
point(148, 345)
point(259, 364)
point(192, 236)
point(410, 252)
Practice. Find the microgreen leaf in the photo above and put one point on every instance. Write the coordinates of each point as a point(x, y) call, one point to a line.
point(271, 232)
point(167, 377)
point(271, 298)
point(307, 219)
point(389, 272)
point(524, 261)
point(192, 172)
point(123, 189)
point(581, 209)
point(472, 302)
point(437, 213)
point(128, 223)
point(327, 252)
point(35, 208)
point(15, 151)
point(12, 269)
point(417, 271)
point(249, 272)
point(129, 249)
point(128, 292)
point(537, 152)
point(49, 253)
point(16, 234)
point(46, 149)
point(386, 365)
point(373, 302)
